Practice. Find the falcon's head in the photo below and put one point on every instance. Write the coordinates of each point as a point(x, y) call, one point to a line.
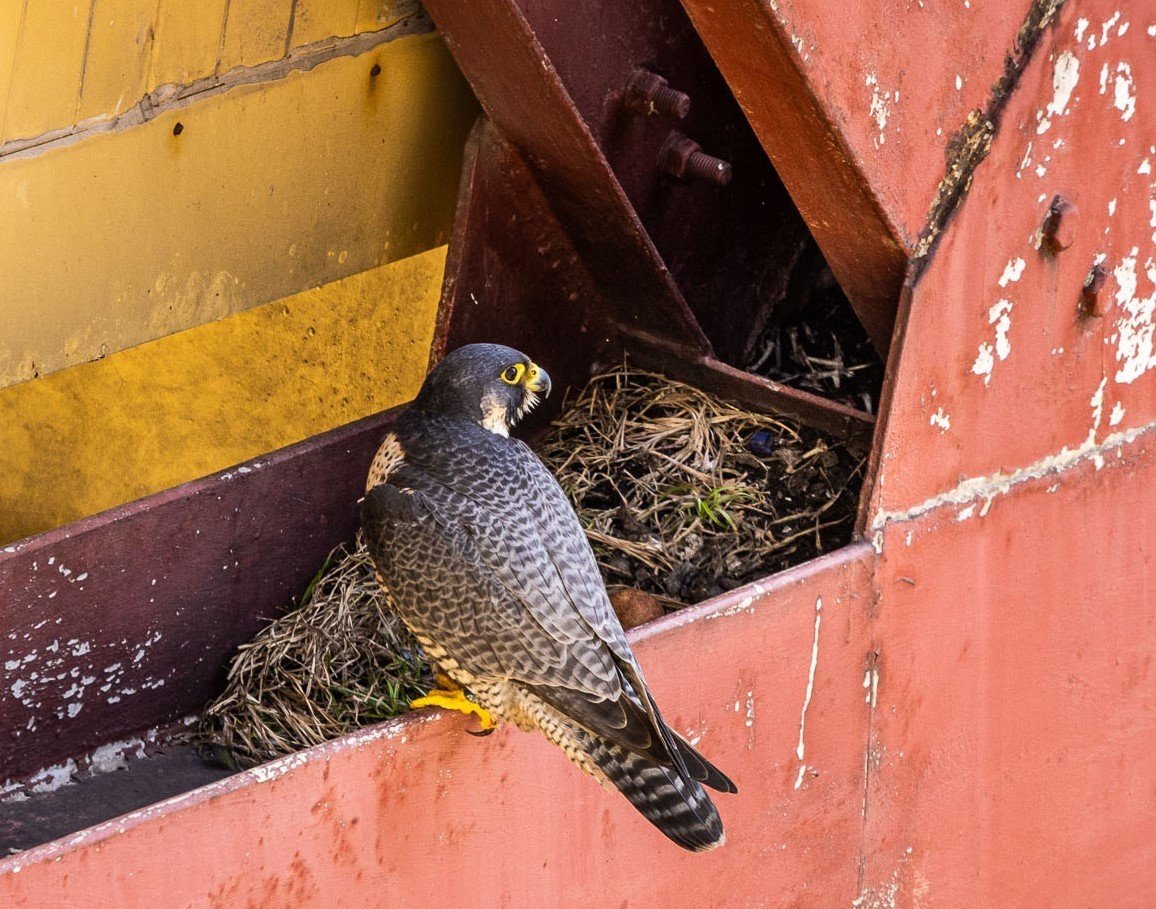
point(488, 384)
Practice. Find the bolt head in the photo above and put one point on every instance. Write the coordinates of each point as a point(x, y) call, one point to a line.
point(1058, 230)
point(1098, 292)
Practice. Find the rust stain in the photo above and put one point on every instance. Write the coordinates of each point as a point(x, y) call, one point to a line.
point(970, 146)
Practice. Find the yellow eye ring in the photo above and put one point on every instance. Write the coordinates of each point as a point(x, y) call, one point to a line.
point(512, 375)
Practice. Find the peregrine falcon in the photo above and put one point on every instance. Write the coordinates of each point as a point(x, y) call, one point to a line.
point(483, 558)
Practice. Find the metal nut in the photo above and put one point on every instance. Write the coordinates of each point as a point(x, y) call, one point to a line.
point(648, 93)
point(683, 157)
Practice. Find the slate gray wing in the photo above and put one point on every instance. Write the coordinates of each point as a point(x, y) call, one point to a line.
point(509, 586)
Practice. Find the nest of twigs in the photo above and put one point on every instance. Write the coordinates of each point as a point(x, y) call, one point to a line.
point(685, 496)
point(333, 663)
point(682, 495)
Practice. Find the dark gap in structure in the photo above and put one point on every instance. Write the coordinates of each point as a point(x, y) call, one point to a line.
point(813, 340)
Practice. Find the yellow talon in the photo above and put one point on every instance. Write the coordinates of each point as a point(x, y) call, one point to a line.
point(455, 700)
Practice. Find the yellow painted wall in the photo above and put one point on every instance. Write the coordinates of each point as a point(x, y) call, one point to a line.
point(94, 436)
point(255, 259)
point(67, 61)
point(268, 189)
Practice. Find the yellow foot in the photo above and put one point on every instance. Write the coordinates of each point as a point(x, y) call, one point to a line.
point(455, 699)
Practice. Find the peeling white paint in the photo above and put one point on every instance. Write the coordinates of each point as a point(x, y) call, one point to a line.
point(800, 750)
point(941, 419)
point(1064, 79)
point(1081, 27)
point(958, 82)
point(871, 687)
point(1025, 162)
point(1134, 338)
point(1000, 316)
point(880, 108)
point(989, 487)
point(266, 773)
point(1117, 415)
point(1012, 271)
point(984, 363)
point(1109, 24)
point(965, 513)
point(1124, 92)
point(1097, 404)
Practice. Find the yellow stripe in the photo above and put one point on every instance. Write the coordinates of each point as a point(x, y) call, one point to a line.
point(268, 189)
point(144, 419)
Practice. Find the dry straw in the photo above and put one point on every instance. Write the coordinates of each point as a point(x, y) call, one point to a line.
point(681, 494)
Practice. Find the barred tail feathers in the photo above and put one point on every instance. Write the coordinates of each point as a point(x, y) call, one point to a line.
point(676, 804)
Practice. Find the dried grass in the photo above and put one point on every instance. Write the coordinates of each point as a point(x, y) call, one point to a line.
point(685, 495)
point(681, 494)
point(334, 663)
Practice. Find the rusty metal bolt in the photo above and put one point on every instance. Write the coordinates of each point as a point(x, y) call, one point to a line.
point(1094, 298)
point(648, 93)
point(1058, 230)
point(682, 157)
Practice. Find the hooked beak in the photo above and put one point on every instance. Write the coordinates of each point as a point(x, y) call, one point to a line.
point(537, 380)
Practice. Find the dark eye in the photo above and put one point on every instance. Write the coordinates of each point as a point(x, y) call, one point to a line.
point(512, 375)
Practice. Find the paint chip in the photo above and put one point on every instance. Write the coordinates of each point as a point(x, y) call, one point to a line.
point(1012, 272)
point(1124, 93)
point(1064, 79)
point(1135, 341)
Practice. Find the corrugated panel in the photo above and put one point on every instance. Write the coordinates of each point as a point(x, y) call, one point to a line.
point(120, 49)
point(314, 20)
point(46, 70)
point(255, 31)
point(188, 41)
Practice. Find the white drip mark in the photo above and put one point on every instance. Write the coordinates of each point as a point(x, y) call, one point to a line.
point(800, 751)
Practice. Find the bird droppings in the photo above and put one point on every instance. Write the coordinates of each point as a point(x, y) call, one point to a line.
point(988, 488)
